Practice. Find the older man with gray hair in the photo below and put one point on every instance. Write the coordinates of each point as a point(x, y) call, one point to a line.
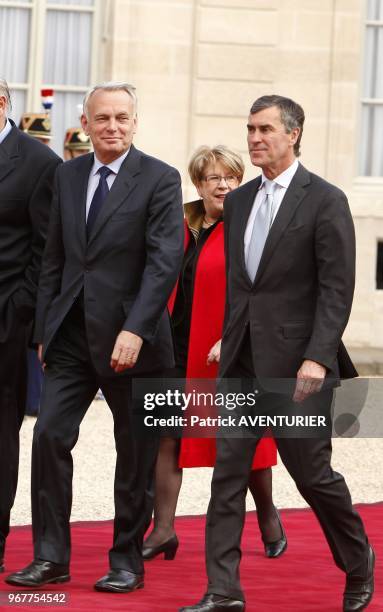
point(26, 178)
point(114, 250)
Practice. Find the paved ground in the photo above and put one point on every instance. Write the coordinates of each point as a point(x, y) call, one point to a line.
point(360, 460)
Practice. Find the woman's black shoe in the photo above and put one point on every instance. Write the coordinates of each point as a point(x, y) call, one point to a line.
point(169, 548)
point(277, 548)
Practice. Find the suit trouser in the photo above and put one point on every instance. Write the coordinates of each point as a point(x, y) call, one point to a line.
point(13, 384)
point(308, 461)
point(70, 384)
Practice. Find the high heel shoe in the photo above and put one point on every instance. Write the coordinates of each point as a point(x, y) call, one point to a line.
point(169, 548)
point(277, 548)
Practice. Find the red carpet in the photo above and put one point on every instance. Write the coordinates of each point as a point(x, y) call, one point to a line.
point(303, 580)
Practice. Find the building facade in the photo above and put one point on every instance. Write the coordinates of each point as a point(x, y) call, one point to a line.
point(199, 64)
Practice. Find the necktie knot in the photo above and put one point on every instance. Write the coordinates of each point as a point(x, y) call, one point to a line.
point(104, 172)
point(269, 187)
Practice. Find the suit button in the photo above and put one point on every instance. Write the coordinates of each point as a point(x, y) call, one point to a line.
point(87, 269)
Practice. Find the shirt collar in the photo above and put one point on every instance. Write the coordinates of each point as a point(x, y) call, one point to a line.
point(284, 179)
point(114, 166)
point(5, 131)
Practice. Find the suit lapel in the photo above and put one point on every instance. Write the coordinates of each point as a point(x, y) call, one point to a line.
point(9, 153)
point(79, 190)
point(292, 199)
point(122, 187)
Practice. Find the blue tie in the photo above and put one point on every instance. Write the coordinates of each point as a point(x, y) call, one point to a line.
point(98, 199)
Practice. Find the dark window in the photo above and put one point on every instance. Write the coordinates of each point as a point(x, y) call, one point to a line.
point(379, 266)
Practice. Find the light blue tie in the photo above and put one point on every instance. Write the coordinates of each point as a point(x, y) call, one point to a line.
point(262, 223)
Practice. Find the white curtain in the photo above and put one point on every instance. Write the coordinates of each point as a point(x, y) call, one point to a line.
point(371, 154)
point(374, 10)
point(67, 61)
point(67, 48)
point(372, 140)
point(15, 27)
point(18, 98)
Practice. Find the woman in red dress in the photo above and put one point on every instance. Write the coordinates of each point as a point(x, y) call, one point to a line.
point(197, 311)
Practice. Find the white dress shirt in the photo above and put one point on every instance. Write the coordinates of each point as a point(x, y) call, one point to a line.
point(5, 131)
point(94, 177)
point(282, 182)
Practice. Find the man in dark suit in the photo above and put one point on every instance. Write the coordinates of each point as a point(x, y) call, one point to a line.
point(290, 250)
point(26, 178)
point(113, 254)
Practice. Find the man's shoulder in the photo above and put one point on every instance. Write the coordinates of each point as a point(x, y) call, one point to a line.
point(244, 191)
point(151, 163)
point(81, 164)
point(32, 147)
point(321, 185)
point(78, 162)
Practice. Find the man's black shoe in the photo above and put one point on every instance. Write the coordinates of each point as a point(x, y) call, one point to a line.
point(120, 581)
point(38, 573)
point(2, 568)
point(215, 603)
point(359, 590)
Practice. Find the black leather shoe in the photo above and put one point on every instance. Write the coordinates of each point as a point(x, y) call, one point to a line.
point(359, 590)
point(169, 548)
point(120, 581)
point(277, 548)
point(215, 603)
point(2, 568)
point(38, 573)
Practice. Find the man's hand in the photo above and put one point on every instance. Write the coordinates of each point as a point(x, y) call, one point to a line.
point(40, 355)
point(214, 353)
point(126, 351)
point(310, 379)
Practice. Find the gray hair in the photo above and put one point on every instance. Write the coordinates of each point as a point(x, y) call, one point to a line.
point(4, 91)
point(111, 86)
point(292, 114)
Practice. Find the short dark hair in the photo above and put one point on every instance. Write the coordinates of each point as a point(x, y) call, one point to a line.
point(292, 114)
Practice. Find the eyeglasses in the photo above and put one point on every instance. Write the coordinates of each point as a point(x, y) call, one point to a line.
point(214, 179)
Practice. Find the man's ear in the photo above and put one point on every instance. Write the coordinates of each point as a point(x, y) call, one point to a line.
point(3, 105)
point(84, 124)
point(294, 135)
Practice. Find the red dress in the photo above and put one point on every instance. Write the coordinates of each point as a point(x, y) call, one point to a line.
point(205, 329)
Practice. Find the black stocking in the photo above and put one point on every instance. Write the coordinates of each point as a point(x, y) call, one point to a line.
point(260, 485)
point(167, 488)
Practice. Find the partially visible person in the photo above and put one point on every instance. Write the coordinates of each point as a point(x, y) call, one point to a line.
point(290, 252)
point(197, 306)
point(38, 126)
point(76, 143)
point(113, 254)
point(26, 178)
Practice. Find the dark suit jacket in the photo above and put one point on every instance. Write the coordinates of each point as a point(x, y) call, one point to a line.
point(26, 180)
point(300, 301)
point(127, 268)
